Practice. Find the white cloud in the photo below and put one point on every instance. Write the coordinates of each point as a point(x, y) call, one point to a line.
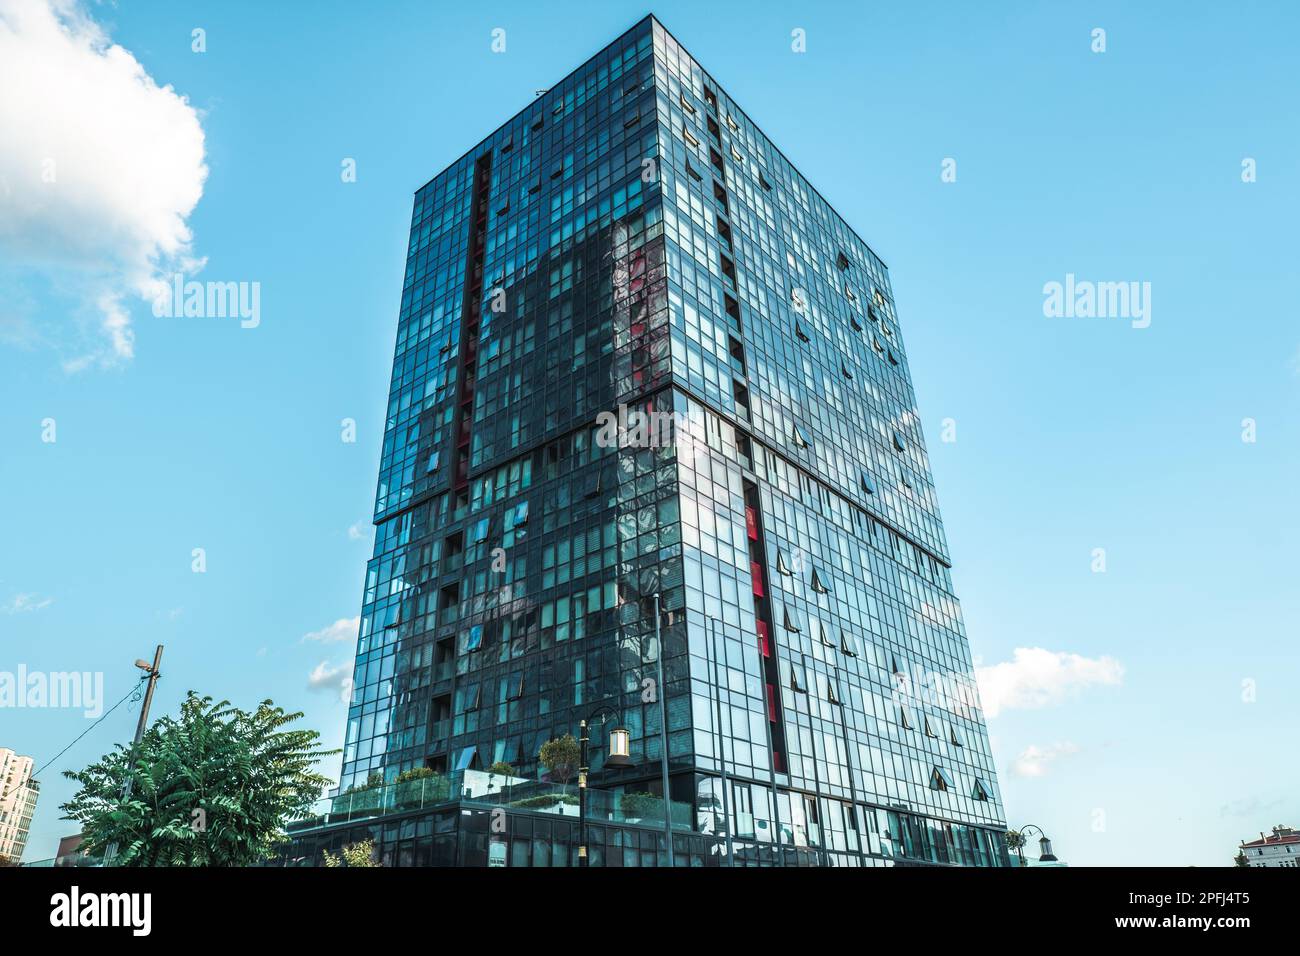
point(99, 169)
point(1037, 678)
point(344, 629)
point(22, 603)
point(1249, 807)
point(1034, 760)
point(355, 531)
point(336, 678)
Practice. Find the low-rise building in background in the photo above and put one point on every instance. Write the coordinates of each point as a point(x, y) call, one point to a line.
point(18, 795)
point(1280, 849)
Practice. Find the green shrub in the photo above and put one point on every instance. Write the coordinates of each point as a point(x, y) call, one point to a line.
point(641, 805)
point(421, 785)
point(545, 800)
point(416, 773)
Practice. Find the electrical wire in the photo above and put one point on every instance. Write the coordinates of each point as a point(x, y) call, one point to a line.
point(133, 690)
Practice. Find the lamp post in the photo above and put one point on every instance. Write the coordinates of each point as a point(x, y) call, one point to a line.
point(1045, 854)
point(619, 756)
point(661, 691)
point(712, 624)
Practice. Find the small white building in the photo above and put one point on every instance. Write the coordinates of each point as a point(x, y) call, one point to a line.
point(1280, 849)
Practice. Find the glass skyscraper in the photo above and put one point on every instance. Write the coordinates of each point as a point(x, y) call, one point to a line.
point(642, 363)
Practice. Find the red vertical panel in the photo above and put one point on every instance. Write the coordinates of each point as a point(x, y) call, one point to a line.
point(763, 642)
point(751, 523)
point(756, 572)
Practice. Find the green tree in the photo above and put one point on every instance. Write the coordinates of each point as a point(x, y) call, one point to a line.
point(1014, 840)
point(502, 769)
point(560, 755)
point(211, 787)
point(354, 854)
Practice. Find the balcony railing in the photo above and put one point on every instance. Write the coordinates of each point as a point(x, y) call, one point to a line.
point(479, 788)
point(71, 859)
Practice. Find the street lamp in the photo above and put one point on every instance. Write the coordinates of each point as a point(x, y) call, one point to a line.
point(619, 756)
point(619, 748)
point(711, 624)
point(1045, 854)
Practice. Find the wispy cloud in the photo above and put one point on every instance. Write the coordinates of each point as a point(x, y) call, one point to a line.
point(23, 603)
point(1034, 761)
point(100, 167)
point(1036, 678)
point(357, 531)
point(336, 678)
point(1251, 807)
point(344, 629)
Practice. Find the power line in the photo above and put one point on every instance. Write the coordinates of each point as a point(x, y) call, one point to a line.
point(133, 690)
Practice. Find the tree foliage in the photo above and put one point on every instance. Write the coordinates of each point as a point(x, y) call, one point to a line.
point(560, 756)
point(211, 787)
point(354, 854)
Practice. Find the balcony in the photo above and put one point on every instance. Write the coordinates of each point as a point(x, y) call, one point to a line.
point(482, 789)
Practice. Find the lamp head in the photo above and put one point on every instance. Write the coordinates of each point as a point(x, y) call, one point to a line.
point(619, 748)
point(1045, 854)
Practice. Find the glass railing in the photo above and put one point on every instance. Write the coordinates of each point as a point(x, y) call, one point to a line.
point(365, 802)
point(72, 859)
point(480, 788)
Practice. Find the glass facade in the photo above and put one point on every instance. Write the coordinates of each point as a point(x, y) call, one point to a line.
point(640, 359)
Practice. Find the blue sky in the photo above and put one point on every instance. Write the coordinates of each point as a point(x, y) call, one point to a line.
point(1123, 728)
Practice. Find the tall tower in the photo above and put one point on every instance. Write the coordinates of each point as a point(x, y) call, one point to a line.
point(639, 358)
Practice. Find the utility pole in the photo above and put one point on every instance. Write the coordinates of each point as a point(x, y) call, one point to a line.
point(141, 725)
